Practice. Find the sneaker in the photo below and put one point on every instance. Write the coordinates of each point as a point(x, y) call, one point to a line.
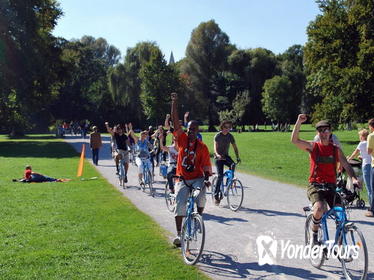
point(369, 214)
point(314, 239)
point(117, 173)
point(125, 179)
point(216, 202)
point(177, 241)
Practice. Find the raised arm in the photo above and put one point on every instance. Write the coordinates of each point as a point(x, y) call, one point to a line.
point(185, 118)
point(162, 147)
point(301, 144)
point(174, 113)
point(109, 129)
point(131, 131)
point(167, 122)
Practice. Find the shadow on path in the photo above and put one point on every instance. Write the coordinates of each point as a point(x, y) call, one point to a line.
point(228, 266)
point(268, 212)
point(222, 220)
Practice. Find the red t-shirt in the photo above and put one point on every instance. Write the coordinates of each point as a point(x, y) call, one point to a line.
point(323, 160)
point(27, 174)
point(195, 153)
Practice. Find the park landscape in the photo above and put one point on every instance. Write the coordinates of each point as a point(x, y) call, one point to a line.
point(92, 229)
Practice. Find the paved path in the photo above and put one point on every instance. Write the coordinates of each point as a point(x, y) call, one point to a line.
point(230, 249)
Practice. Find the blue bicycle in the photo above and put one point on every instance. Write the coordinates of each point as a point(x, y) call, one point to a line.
point(193, 229)
point(231, 188)
point(147, 180)
point(348, 245)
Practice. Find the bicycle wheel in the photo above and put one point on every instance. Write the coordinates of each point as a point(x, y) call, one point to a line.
point(320, 259)
point(235, 195)
point(169, 198)
point(192, 238)
point(149, 183)
point(213, 187)
point(354, 253)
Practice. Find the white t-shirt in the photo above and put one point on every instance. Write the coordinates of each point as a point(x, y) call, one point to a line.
point(366, 158)
point(173, 155)
point(334, 139)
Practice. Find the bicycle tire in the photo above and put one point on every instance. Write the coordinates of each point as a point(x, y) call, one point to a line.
point(354, 237)
point(150, 184)
point(213, 187)
point(235, 190)
point(170, 201)
point(192, 256)
point(317, 262)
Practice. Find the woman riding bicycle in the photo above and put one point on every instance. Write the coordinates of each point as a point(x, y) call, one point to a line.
point(143, 147)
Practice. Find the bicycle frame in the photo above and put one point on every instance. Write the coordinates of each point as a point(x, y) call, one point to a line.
point(229, 176)
point(145, 170)
point(338, 214)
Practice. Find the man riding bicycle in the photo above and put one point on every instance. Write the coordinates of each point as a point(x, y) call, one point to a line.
point(324, 157)
point(193, 165)
point(222, 142)
point(122, 146)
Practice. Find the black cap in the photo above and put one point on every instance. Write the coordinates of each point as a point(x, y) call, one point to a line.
point(322, 123)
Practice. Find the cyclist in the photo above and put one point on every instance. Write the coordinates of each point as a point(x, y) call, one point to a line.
point(143, 147)
point(122, 146)
point(193, 165)
point(222, 142)
point(185, 123)
point(324, 156)
point(172, 164)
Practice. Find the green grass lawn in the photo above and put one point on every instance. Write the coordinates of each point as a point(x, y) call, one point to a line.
point(78, 229)
point(272, 155)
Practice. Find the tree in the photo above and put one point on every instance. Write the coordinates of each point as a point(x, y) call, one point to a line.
point(338, 58)
point(125, 82)
point(206, 59)
point(29, 62)
point(158, 81)
point(277, 102)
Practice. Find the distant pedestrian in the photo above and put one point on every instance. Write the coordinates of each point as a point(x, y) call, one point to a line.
point(95, 144)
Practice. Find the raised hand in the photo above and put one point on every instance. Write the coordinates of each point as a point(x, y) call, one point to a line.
point(302, 118)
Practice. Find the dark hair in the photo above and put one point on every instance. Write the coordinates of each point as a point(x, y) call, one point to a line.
point(371, 122)
point(225, 122)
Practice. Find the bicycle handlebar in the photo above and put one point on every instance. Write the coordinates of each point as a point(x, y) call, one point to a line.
point(184, 181)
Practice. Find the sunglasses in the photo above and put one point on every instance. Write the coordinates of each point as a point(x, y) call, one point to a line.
point(324, 129)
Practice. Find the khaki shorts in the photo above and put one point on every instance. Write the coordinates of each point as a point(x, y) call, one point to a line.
point(315, 194)
point(124, 155)
point(183, 192)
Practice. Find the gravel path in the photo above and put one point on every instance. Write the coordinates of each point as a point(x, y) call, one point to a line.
point(269, 208)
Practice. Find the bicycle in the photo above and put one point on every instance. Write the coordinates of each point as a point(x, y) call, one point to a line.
point(347, 238)
point(147, 180)
point(122, 171)
point(193, 229)
point(231, 188)
point(169, 197)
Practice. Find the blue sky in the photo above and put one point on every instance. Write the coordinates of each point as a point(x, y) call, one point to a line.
point(272, 24)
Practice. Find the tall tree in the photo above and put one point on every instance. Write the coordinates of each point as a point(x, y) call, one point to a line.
point(29, 61)
point(206, 59)
point(125, 82)
point(338, 58)
point(158, 81)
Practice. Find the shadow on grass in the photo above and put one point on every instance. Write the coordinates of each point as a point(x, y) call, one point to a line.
point(32, 137)
point(36, 149)
point(350, 142)
point(228, 266)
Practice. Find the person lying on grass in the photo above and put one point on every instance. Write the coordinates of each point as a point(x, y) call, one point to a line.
point(32, 177)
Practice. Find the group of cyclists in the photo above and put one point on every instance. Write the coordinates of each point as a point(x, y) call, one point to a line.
point(189, 159)
point(187, 156)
